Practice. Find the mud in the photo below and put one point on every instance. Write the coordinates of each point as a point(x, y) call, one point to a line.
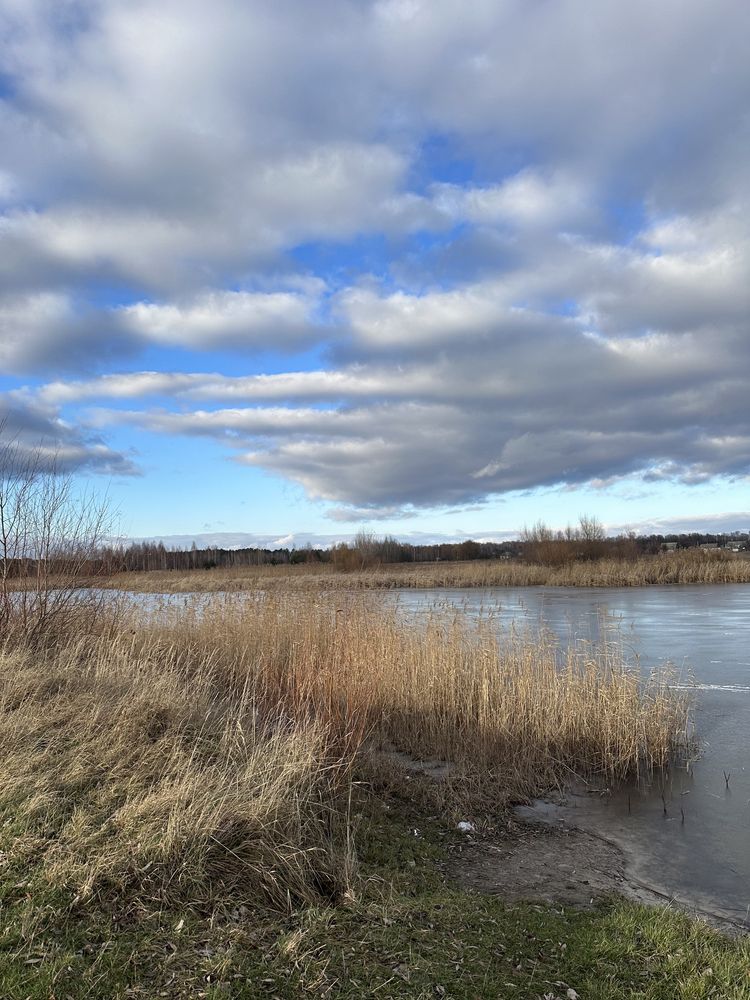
point(562, 866)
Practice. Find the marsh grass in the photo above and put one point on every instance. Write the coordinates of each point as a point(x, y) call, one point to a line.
point(443, 686)
point(131, 769)
point(210, 752)
point(684, 567)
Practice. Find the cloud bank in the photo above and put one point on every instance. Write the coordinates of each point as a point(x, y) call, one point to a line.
point(408, 255)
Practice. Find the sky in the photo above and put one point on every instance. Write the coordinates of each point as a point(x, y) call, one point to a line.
point(275, 272)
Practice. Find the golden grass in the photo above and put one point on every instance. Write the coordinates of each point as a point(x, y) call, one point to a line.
point(686, 567)
point(440, 687)
point(129, 768)
point(210, 750)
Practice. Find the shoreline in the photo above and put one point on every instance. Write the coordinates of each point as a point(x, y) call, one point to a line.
point(670, 569)
point(544, 856)
point(609, 864)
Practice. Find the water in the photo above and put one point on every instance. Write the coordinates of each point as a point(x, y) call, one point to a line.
point(689, 833)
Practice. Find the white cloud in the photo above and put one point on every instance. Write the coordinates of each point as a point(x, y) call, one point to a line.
point(718, 523)
point(574, 305)
point(190, 137)
point(324, 386)
point(408, 322)
point(526, 200)
point(49, 330)
point(242, 320)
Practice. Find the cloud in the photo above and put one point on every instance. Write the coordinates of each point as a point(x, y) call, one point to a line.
point(33, 433)
point(330, 193)
point(240, 320)
point(347, 515)
point(462, 394)
point(314, 386)
point(301, 539)
point(161, 142)
point(495, 434)
point(724, 522)
point(51, 331)
point(44, 328)
point(513, 236)
point(526, 200)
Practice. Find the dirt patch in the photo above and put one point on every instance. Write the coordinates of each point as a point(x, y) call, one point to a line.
point(562, 866)
point(566, 867)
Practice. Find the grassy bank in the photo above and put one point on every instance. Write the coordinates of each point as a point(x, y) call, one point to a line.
point(407, 934)
point(667, 568)
point(208, 804)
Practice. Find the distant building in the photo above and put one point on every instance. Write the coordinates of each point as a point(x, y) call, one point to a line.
point(669, 546)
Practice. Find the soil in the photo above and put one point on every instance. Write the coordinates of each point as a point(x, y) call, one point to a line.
point(544, 859)
point(561, 866)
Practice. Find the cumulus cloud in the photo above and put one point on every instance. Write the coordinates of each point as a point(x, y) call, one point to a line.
point(187, 141)
point(29, 431)
point(562, 298)
point(240, 320)
point(50, 330)
point(526, 199)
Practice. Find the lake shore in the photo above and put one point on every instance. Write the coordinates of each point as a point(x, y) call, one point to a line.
point(221, 804)
point(418, 928)
point(699, 567)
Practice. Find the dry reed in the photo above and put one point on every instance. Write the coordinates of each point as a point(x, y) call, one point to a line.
point(127, 767)
point(444, 687)
point(689, 567)
point(210, 750)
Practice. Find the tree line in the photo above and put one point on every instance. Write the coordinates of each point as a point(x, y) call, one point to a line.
point(537, 544)
point(363, 551)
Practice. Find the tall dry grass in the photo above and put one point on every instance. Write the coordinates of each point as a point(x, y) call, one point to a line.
point(688, 567)
point(129, 766)
point(446, 686)
point(210, 750)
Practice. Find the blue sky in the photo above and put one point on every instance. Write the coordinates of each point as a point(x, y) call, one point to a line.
point(275, 272)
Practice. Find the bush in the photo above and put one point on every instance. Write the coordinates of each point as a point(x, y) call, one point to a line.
point(50, 538)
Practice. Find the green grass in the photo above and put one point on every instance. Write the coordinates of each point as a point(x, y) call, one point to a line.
point(409, 934)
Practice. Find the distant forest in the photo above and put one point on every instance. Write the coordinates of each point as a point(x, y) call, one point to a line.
point(538, 545)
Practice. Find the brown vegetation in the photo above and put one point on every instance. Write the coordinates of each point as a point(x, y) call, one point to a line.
point(681, 567)
point(211, 750)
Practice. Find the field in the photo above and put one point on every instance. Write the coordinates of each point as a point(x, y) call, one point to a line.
point(686, 567)
point(227, 801)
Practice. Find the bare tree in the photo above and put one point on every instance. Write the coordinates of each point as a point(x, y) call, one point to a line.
point(590, 528)
point(50, 541)
point(555, 548)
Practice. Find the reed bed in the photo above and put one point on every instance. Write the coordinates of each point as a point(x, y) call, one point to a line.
point(211, 751)
point(689, 567)
point(444, 686)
